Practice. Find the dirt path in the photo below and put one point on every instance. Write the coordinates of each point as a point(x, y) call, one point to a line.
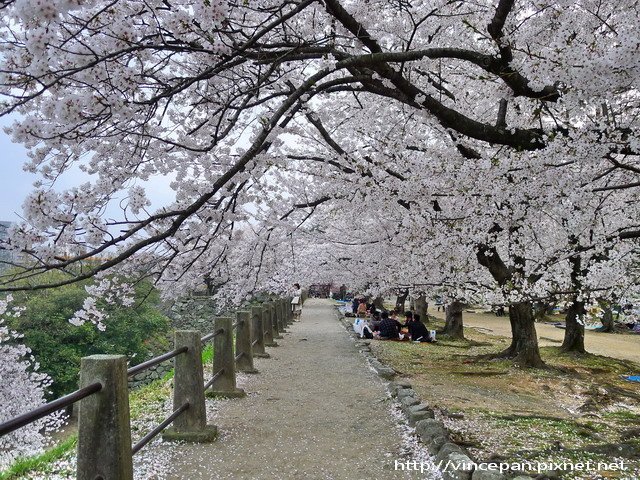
point(623, 347)
point(315, 410)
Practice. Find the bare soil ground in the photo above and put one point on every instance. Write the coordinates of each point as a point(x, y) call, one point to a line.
point(615, 345)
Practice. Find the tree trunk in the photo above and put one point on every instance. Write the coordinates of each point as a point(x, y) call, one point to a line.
point(421, 308)
point(607, 316)
point(574, 331)
point(453, 325)
point(400, 300)
point(524, 339)
point(574, 320)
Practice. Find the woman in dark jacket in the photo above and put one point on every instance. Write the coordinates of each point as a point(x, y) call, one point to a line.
point(417, 330)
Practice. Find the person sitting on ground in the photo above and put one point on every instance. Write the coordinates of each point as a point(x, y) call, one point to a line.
point(408, 317)
point(374, 322)
point(362, 328)
point(389, 327)
point(362, 309)
point(417, 330)
point(354, 305)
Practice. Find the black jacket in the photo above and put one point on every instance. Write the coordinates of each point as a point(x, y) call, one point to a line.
point(418, 332)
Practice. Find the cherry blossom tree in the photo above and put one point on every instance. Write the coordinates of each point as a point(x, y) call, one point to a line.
point(469, 123)
point(22, 388)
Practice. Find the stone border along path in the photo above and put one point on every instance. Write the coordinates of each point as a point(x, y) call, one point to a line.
point(314, 411)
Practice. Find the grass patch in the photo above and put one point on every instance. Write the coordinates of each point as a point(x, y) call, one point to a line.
point(141, 400)
point(588, 362)
point(578, 409)
point(39, 462)
point(149, 397)
point(623, 416)
point(207, 354)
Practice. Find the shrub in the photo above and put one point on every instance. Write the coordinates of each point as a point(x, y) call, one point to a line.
point(138, 331)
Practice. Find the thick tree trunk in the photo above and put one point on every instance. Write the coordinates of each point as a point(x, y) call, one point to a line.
point(524, 339)
point(401, 300)
point(574, 331)
point(453, 320)
point(607, 316)
point(421, 308)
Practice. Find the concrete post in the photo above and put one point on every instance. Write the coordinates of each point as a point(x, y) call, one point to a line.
point(224, 361)
point(279, 315)
point(285, 311)
point(104, 430)
point(268, 326)
point(258, 335)
point(244, 362)
point(290, 309)
point(274, 321)
point(188, 386)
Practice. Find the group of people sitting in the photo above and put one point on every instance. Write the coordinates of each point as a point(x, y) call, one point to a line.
point(386, 326)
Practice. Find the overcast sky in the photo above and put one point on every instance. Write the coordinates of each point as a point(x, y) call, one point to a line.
point(15, 183)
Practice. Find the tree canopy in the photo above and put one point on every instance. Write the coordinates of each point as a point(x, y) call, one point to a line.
point(487, 147)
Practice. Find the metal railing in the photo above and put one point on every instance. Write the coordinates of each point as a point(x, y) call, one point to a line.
point(155, 361)
point(213, 378)
point(104, 418)
point(157, 430)
point(48, 408)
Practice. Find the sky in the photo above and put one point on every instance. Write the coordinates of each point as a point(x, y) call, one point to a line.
point(15, 183)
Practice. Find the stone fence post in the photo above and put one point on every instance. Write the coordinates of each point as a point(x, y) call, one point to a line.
point(278, 316)
point(289, 309)
point(244, 351)
point(104, 429)
point(258, 333)
point(268, 326)
point(224, 362)
point(285, 312)
point(188, 386)
point(274, 320)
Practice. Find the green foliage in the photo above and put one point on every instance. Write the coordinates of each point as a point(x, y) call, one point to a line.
point(142, 400)
point(39, 462)
point(138, 331)
point(207, 354)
